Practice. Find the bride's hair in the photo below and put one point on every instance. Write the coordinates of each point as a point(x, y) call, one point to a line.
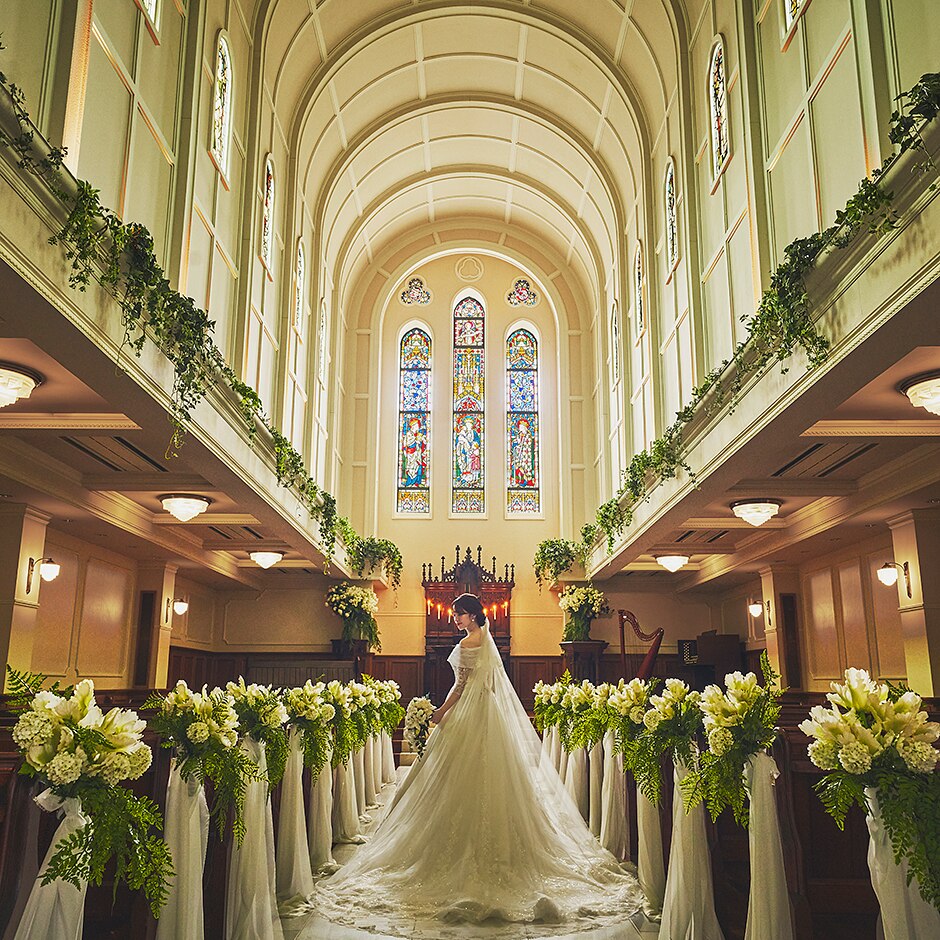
point(470, 604)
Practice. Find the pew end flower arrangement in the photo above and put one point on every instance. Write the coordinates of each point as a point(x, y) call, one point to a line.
point(262, 716)
point(311, 714)
point(418, 724)
point(390, 710)
point(79, 752)
point(342, 729)
point(627, 703)
point(356, 607)
point(876, 735)
point(672, 724)
point(548, 708)
point(739, 722)
point(202, 730)
point(364, 712)
point(582, 605)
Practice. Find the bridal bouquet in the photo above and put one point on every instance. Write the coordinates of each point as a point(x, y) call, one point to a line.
point(417, 723)
point(874, 734)
point(582, 605)
point(261, 716)
point(80, 752)
point(671, 724)
point(390, 709)
point(356, 607)
point(548, 705)
point(739, 721)
point(342, 729)
point(627, 703)
point(202, 729)
point(309, 711)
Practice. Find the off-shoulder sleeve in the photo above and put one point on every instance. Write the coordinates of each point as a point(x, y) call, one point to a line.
point(468, 659)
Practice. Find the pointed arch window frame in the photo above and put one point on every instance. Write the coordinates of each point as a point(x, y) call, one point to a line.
point(462, 295)
point(718, 166)
point(268, 197)
point(323, 351)
point(529, 327)
point(638, 290)
point(299, 320)
point(671, 219)
point(397, 512)
point(222, 101)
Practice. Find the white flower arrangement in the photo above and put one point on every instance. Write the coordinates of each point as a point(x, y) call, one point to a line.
point(874, 734)
point(577, 706)
point(418, 723)
point(548, 707)
point(81, 752)
point(390, 710)
point(627, 703)
point(356, 607)
point(582, 604)
point(262, 716)
point(342, 728)
point(310, 712)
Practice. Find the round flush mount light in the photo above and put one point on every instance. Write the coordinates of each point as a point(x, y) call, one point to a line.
point(184, 506)
point(756, 511)
point(923, 391)
point(16, 382)
point(266, 559)
point(672, 562)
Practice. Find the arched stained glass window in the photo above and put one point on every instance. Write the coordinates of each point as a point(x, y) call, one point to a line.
point(468, 427)
point(718, 102)
point(522, 294)
point(415, 293)
point(267, 215)
point(414, 409)
point(300, 287)
point(639, 310)
point(522, 423)
point(222, 107)
point(672, 232)
point(615, 343)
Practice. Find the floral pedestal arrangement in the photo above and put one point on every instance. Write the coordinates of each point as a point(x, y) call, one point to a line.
point(356, 607)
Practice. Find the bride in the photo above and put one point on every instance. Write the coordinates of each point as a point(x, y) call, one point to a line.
point(481, 827)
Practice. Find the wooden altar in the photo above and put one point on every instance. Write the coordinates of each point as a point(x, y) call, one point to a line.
point(440, 635)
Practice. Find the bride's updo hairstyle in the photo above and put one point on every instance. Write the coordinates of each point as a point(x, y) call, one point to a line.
point(470, 604)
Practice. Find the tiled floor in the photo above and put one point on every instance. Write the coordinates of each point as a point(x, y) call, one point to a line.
point(313, 927)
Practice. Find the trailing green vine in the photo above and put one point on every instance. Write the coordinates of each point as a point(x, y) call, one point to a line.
point(120, 257)
point(781, 325)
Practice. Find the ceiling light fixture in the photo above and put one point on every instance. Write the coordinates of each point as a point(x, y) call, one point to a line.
point(755, 608)
point(48, 571)
point(16, 382)
point(265, 559)
point(672, 562)
point(184, 506)
point(923, 391)
point(756, 511)
point(888, 574)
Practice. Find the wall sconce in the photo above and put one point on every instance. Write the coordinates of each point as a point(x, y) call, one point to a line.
point(923, 391)
point(672, 562)
point(16, 382)
point(756, 511)
point(184, 506)
point(180, 606)
point(755, 608)
point(265, 559)
point(48, 571)
point(888, 574)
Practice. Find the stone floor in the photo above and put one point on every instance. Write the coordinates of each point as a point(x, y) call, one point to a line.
point(311, 926)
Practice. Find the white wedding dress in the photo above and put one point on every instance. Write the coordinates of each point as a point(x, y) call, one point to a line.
point(480, 828)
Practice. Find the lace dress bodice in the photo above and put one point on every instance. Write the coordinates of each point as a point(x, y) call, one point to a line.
point(462, 660)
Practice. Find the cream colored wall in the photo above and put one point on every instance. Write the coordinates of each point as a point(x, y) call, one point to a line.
point(85, 622)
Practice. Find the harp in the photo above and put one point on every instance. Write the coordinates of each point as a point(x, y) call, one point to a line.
point(645, 668)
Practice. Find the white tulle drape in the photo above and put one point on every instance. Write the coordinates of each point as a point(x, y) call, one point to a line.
point(250, 897)
point(359, 776)
point(596, 780)
point(554, 747)
point(614, 834)
point(388, 759)
point(689, 904)
point(563, 758)
point(576, 780)
point(186, 831)
point(320, 822)
point(55, 911)
point(368, 777)
point(377, 765)
point(768, 906)
point(346, 825)
point(905, 915)
point(650, 868)
point(294, 877)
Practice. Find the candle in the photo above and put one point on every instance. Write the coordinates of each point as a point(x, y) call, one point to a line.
point(450, 613)
point(429, 608)
point(438, 611)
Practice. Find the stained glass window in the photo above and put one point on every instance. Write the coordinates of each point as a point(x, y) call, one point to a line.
point(414, 409)
point(615, 343)
point(718, 97)
point(639, 312)
point(522, 423)
point(222, 107)
point(468, 426)
point(300, 287)
point(522, 294)
point(267, 215)
point(151, 8)
point(321, 329)
point(672, 233)
point(415, 293)
point(791, 9)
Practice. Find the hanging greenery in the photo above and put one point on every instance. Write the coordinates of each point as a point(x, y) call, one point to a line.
point(781, 325)
point(120, 257)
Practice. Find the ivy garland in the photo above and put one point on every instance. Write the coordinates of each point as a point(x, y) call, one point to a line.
point(120, 257)
point(781, 324)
